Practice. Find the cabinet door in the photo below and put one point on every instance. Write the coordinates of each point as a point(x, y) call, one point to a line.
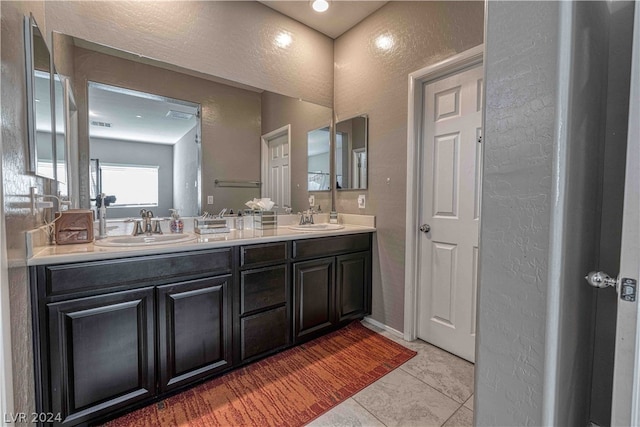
point(102, 353)
point(314, 296)
point(352, 286)
point(194, 330)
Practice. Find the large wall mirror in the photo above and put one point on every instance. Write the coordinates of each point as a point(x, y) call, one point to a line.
point(319, 160)
point(233, 117)
point(39, 103)
point(351, 153)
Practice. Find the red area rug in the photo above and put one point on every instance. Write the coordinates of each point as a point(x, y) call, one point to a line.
point(288, 389)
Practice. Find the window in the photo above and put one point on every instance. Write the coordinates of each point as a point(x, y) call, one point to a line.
point(132, 185)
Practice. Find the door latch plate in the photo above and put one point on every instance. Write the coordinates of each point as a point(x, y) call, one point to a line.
point(628, 289)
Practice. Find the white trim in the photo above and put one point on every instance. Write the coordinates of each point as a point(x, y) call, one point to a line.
point(452, 65)
point(558, 207)
point(381, 325)
point(264, 153)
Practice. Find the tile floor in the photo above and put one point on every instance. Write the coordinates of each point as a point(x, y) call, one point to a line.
point(434, 388)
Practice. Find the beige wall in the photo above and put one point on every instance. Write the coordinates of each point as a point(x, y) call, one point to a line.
point(374, 82)
point(228, 39)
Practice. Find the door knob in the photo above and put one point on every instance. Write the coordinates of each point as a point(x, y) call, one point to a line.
point(600, 279)
point(425, 228)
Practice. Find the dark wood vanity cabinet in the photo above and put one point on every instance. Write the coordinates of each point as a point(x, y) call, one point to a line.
point(194, 330)
point(263, 298)
point(101, 355)
point(113, 335)
point(331, 290)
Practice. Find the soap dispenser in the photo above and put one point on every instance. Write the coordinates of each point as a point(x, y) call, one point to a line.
point(176, 225)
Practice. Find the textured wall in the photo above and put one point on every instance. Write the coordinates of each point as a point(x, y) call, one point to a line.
point(372, 81)
point(278, 111)
point(16, 183)
point(230, 121)
point(545, 122)
point(519, 129)
point(228, 39)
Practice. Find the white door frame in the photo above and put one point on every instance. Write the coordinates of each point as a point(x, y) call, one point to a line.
point(626, 376)
point(264, 154)
point(417, 79)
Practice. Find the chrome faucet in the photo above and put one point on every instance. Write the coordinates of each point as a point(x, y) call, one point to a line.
point(221, 214)
point(145, 226)
point(306, 217)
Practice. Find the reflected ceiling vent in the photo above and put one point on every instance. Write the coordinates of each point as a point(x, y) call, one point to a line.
point(100, 124)
point(179, 115)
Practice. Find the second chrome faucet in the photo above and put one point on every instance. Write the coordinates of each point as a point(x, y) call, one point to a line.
point(145, 226)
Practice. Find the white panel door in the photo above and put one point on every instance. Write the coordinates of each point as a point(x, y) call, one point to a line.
point(450, 192)
point(279, 175)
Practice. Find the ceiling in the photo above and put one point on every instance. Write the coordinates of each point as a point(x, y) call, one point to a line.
point(341, 16)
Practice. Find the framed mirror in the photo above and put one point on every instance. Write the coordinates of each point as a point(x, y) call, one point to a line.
point(351, 153)
point(318, 159)
point(40, 127)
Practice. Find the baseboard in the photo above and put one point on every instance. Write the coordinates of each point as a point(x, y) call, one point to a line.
point(381, 325)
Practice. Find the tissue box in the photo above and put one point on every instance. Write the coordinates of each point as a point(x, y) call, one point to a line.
point(264, 220)
point(74, 226)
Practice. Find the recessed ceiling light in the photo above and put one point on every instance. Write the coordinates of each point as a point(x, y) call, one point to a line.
point(138, 117)
point(320, 5)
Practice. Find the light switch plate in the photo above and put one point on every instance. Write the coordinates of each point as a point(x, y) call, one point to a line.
point(312, 200)
point(361, 201)
point(209, 200)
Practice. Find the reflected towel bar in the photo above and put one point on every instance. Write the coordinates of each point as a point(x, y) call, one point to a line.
point(235, 183)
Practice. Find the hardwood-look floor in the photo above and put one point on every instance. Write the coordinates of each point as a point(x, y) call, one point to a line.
point(435, 388)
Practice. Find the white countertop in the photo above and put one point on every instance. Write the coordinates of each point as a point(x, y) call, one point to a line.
point(57, 254)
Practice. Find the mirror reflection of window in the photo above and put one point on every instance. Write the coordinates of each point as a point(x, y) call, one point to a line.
point(318, 161)
point(133, 186)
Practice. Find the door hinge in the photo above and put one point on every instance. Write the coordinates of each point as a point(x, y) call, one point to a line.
point(480, 139)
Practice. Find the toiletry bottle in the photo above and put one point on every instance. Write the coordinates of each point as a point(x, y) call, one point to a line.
point(239, 222)
point(176, 225)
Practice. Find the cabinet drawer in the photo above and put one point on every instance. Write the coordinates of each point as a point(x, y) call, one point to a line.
point(262, 288)
point(310, 248)
point(264, 332)
point(263, 254)
point(86, 276)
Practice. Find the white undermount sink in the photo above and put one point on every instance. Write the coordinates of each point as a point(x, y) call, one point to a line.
point(144, 240)
point(316, 227)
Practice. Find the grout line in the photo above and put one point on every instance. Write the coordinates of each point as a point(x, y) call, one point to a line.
point(454, 412)
point(429, 385)
point(363, 407)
